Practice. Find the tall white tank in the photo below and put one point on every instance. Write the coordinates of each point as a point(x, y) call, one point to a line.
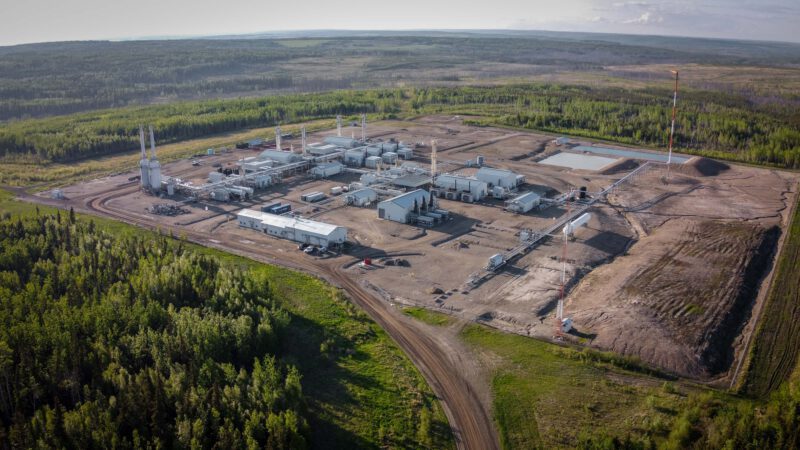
point(144, 164)
point(155, 166)
point(579, 222)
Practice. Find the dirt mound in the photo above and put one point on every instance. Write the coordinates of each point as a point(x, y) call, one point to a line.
point(623, 165)
point(703, 167)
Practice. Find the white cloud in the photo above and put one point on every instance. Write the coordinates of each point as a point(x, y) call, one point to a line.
point(644, 19)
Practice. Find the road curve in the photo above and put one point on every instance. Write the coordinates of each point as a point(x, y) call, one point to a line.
point(470, 422)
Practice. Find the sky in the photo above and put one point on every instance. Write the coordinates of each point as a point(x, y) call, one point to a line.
point(25, 21)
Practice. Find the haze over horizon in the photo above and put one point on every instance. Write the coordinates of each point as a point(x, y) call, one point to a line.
point(51, 20)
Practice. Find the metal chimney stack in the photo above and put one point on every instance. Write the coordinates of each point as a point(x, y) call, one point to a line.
point(152, 144)
point(433, 162)
point(364, 127)
point(278, 137)
point(141, 141)
point(303, 138)
point(339, 125)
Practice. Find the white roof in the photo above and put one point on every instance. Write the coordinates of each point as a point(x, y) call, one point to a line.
point(407, 200)
point(363, 193)
point(495, 172)
point(308, 226)
point(525, 197)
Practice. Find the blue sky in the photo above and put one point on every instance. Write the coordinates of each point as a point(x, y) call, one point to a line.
point(25, 21)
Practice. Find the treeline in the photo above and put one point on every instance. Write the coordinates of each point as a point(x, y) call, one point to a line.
point(709, 123)
point(105, 132)
point(121, 342)
point(40, 80)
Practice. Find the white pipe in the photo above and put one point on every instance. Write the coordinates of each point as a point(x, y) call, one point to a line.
point(141, 142)
point(152, 144)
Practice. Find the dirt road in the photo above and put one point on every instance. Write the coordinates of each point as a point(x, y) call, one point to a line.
point(469, 419)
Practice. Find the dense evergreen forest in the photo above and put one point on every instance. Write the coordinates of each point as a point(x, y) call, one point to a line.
point(133, 343)
point(66, 77)
point(727, 126)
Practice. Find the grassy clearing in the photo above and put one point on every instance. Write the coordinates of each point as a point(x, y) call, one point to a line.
point(429, 317)
point(44, 176)
point(547, 396)
point(777, 341)
point(362, 391)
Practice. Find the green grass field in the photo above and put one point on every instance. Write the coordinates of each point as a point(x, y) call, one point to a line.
point(777, 341)
point(547, 396)
point(429, 317)
point(362, 391)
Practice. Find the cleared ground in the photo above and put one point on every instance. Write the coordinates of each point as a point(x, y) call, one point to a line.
point(666, 270)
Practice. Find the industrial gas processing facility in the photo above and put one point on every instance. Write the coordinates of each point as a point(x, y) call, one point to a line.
point(615, 248)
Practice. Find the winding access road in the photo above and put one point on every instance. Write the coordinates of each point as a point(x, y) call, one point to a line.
point(469, 419)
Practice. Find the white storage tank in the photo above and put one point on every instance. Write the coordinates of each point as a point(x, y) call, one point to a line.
point(570, 228)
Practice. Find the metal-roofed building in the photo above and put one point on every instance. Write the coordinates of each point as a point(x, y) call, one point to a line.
point(411, 180)
point(280, 157)
point(479, 189)
point(293, 228)
point(341, 141)
point(320, 149)
point(401, 208)
point(499, 177)
point(524, 202)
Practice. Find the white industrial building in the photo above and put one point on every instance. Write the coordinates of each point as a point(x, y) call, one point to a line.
point(293, 228)
point(403, 207)
point(326, 170)
point(361, 197)
point(280, 157)
point(320, 149)
point(341, 141)
point(476, 188)
point(499, 177)
point(524, 202)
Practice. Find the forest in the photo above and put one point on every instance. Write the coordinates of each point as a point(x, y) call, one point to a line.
point(133, 343)
point(66, 77)
point(716, 124)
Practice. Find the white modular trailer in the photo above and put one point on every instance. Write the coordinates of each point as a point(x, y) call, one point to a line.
point(400, 208)
point(524, 203)
point(361, 197)
point(498, 177)
point(343, 142)
point(326, 170)
point(477, 188)
point(372, 162)
point(293, 228)
point(280, 157)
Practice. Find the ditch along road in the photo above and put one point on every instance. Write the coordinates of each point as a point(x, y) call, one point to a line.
point(469, 419)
